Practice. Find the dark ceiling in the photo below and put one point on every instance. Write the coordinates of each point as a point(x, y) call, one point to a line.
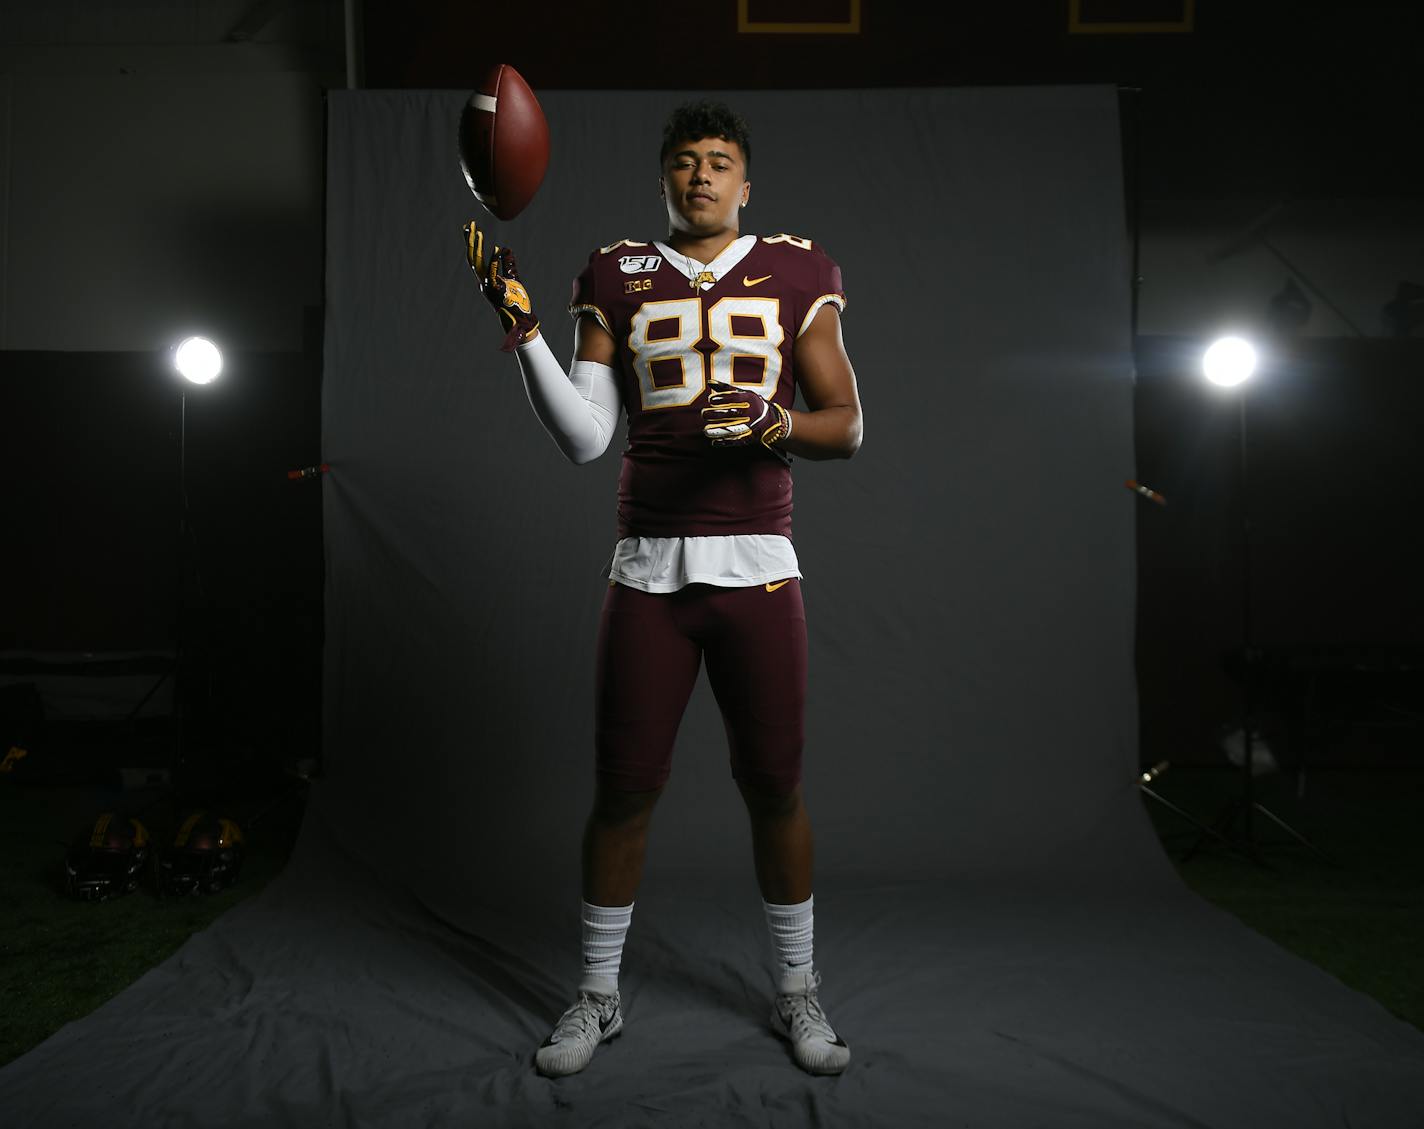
point(1271, 101)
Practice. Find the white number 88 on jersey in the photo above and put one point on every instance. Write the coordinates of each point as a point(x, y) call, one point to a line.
point(668, 332)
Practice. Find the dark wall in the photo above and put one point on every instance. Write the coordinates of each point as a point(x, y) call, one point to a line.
point(98, 459)
point(93, 470)
point(1336, 602)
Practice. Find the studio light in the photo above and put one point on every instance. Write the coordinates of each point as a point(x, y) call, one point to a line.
point(198, 360)
point(1228, 361)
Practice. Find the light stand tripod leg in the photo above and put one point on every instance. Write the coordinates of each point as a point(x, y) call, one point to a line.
point(1220, 831)
point(1146, 778)
point(1291, 831)
point(1198, 824)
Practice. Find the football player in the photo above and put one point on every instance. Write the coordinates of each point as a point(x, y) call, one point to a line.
point(702, 340)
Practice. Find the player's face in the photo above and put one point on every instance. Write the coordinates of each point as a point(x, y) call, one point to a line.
point(704, 184)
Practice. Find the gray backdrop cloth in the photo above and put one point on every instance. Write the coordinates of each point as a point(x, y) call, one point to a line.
point(1002, 940)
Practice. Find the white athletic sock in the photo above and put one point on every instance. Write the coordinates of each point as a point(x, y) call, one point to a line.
point(791, 935)
point(604, 930)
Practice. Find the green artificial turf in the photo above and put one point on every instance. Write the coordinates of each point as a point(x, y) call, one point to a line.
point(1358, 913)
point(59, 958)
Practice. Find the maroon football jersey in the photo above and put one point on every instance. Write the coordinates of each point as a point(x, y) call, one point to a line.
point(680, 324)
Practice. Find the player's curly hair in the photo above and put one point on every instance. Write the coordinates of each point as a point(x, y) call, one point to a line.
point(693, 121)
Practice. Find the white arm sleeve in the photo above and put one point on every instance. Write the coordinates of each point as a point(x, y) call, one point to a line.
point(580, 410)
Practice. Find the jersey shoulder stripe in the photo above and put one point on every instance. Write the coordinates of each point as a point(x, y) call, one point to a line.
point(836, 300)
point(621, 243)
point(793, 240)
point(578, 309)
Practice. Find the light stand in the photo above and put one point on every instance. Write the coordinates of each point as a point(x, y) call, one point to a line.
point(198, 361)
point(180, 619)
point(1246, 806)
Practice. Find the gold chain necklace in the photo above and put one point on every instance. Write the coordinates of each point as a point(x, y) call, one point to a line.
point(703, 275)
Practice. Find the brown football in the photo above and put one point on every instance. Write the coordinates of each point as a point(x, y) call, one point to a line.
point(504, 142)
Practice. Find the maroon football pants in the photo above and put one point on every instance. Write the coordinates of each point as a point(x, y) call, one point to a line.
point(650, 647)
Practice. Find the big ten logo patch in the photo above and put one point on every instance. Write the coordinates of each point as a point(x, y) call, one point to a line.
point(633, 285)
point(639, 264)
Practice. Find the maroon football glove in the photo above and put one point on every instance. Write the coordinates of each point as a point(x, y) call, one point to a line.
point(735, 417)
point(499, 280)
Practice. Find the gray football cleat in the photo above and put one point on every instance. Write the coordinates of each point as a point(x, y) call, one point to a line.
point(797, 1017)
point(594, 1019)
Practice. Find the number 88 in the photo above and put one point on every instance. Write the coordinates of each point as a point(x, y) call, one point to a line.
point(762, 345)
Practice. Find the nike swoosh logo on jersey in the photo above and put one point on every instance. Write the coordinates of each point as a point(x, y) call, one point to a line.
point(780, 584)
point(754, 281)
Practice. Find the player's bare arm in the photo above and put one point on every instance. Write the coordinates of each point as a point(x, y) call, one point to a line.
point(593, 343)
point(832, 428)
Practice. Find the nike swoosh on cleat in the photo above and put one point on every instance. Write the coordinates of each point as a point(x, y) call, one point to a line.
point(780, 584)
point(754, 281)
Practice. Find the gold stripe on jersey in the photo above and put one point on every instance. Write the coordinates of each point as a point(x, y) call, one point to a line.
point(834, 299)
point(621, 243)
point(794, 240)
point(577, 311)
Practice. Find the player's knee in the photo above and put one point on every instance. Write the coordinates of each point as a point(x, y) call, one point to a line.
point(614, 806)
point(770, 799)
